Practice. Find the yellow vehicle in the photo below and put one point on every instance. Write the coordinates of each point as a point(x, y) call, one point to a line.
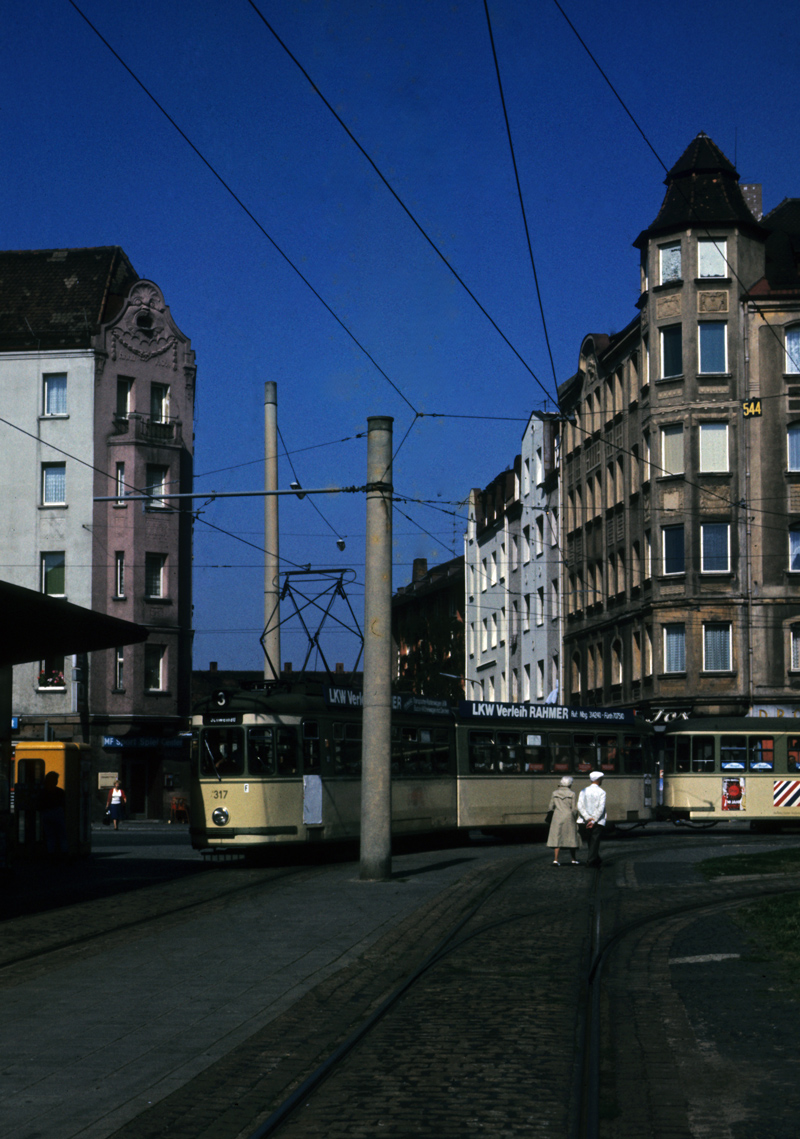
point(720, 768)
point(37, 767)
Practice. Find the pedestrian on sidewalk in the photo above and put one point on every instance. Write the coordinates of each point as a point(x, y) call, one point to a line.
point(592, 809)
point(115, 803)
point(564, 826)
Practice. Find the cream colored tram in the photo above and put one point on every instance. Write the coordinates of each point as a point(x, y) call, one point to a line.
point(724, 768)
point(511, 758)
point(281, 763)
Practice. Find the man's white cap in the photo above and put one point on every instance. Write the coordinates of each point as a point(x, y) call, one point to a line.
point(595, 775)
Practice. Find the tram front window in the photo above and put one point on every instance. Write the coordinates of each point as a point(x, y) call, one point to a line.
point(222, 752)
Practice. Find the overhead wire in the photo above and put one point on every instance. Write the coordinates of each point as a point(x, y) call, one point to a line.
point(519, 191)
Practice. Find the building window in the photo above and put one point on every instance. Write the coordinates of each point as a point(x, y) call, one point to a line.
point(119, 481)
point(616, 662)
point(526, 544)
point(154, 667)
point(715, 554)
point(540, 680)
point(673, 551)
point(157, 484)
point(54, 484)
point(648, 651)
point(717, 647)
point(526, 614)
point(793, 349)
point(526, 682)
point(794, 549)
point(124, 396)
point(795, 634)
point(155, 575)
point(494, 631)
point(55, 394)
point(119, 669)
point(713, 346)
point(159, 403)
point(648, 555)
point(119, 573)
point(712, 257)
point(576, 674)
point(671, 351)
point(713, 447)
point(54, 574)
point(670, 258)
point(538, 547)
point(484, 634)
point(540, 606)
point(793, 438)
point(674, 648)
point(51, 673)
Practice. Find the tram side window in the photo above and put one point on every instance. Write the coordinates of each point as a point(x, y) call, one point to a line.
point(222, 752)
point(410, 763)
point(608, 747)
point(261, 751)
point(286, 751)
point(561, 752)
point(347, 749)
point(509, 759)
point(762, 754)
point(793, 752)
point(311, 748)
point(677, 753)
point(585, 753)
point(733, 753)
point(440, 753)
point(702, 753)
point(632, 755)
point(481, 747)
point(425, 751)
point(534, 754)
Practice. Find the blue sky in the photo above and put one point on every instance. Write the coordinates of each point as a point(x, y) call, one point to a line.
point(89, 160)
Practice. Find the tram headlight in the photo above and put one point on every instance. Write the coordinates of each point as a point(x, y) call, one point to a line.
point(219, 816)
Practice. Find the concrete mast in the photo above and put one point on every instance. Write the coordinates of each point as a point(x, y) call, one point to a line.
point(272, 587)
point(376, 785)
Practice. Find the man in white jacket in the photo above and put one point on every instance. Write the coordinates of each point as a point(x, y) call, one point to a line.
point(592, 810)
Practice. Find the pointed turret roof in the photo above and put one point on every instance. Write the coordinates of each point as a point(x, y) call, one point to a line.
point(702, 189)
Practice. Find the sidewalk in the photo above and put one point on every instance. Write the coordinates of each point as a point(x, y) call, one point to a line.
point(102, 1032)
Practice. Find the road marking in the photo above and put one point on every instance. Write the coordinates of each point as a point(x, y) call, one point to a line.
point(703, 959)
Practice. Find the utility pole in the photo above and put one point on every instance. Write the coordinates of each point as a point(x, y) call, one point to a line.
point(272, 589)
point(376, 775)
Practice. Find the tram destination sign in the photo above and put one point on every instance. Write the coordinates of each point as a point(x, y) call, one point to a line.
point(542, 713)
point(401, 702)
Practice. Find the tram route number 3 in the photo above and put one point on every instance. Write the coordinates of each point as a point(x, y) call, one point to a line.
point(220, 794)
point(751, 408)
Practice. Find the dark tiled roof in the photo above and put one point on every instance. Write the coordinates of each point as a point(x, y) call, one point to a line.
point(702, 189)
point(57, 298)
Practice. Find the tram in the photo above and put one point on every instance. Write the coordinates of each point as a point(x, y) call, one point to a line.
point(280, 762)
point(723, 768)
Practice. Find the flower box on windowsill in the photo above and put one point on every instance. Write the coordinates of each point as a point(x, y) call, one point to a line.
point(47, 682)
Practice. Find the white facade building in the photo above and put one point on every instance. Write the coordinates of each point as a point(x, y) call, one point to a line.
point(513, 565)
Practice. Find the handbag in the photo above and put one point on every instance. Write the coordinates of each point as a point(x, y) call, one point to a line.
point(107, 818)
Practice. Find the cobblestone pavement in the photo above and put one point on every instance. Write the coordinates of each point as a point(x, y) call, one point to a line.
point(699, 1024)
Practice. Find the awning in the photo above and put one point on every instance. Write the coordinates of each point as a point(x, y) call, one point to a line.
point(34, 626)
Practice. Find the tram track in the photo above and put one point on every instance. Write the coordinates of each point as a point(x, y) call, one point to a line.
point(35, 940)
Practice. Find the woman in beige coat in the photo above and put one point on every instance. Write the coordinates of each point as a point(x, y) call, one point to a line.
point(564, 827)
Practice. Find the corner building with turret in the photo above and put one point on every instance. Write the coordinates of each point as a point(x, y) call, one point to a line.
point(681, 464)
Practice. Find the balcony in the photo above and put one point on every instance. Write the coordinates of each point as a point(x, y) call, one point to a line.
point(146, 430)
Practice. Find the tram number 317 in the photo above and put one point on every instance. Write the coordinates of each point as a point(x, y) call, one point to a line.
point(751, 408)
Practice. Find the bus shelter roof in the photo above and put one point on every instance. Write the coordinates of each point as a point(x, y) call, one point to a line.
point(34, 626)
